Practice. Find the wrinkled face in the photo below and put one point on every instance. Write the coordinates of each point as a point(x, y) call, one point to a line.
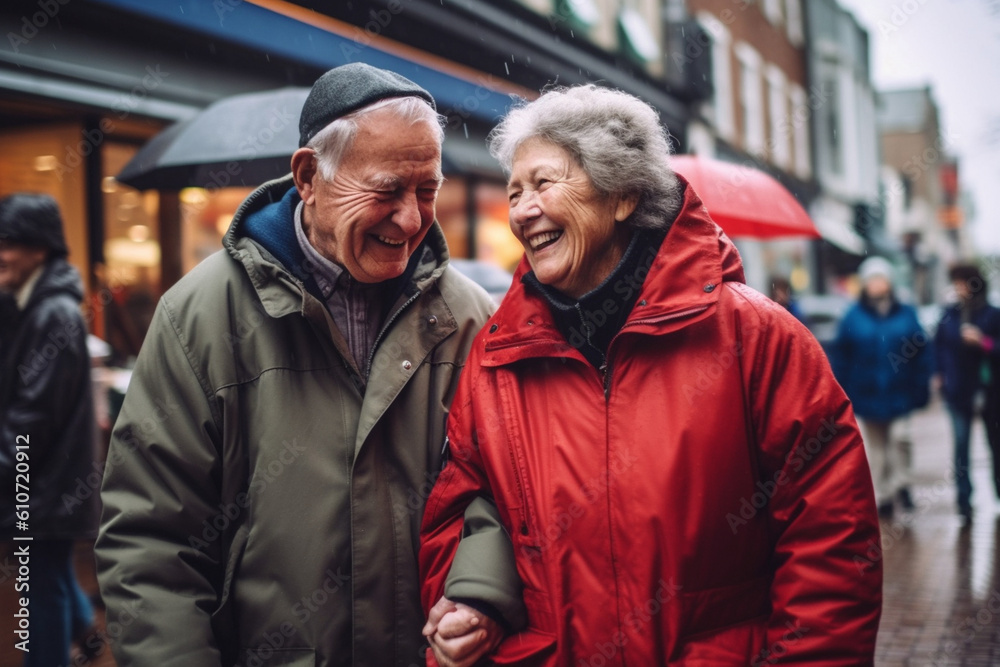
point(572, 235)
point(17, 263)
point(380, 204)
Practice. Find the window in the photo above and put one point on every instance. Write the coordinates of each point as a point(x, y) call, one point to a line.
point(799, 120)
point(751, 98)
point(773, 10)
point(832, 135)
point(722, 102)
point(793, 22)
point(777, 113)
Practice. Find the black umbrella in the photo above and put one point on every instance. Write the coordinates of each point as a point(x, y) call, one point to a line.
point(243, 140)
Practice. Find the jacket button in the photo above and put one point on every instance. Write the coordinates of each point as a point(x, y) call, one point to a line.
point(493, 328)
point(709, 287)
point(432, 321)
point(407, 365)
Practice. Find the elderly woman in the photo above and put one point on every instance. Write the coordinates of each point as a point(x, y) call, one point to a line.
point(681, 475)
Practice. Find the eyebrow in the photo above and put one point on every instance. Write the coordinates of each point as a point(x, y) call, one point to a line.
point(392, 182)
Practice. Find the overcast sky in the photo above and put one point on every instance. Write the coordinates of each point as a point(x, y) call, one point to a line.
point(954, 46)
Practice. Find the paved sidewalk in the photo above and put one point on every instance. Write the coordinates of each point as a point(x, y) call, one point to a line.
point(942, 582)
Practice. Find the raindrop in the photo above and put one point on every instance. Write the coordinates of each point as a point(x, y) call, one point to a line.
point(505, 68)
point(465, 128)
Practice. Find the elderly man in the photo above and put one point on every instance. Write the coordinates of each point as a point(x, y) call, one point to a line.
point(286, 417)
point(46, 423)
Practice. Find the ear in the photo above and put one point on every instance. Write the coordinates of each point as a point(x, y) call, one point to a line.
point(626, 206)
point(304, 171)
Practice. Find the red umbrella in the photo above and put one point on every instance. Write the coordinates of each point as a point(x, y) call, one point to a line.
point(744, 201)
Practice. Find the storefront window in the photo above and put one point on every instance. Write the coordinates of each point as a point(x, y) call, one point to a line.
point(205, 218)
point(131, 272)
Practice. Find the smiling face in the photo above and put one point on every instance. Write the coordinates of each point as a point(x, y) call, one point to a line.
point(573, 236)
point(380, 204)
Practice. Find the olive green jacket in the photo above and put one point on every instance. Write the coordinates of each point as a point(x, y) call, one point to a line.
point(261, 505)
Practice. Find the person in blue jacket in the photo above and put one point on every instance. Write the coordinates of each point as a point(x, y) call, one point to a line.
point(881, 358)
point(967, 352)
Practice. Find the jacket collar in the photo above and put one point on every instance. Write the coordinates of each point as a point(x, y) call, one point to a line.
point(682, 287)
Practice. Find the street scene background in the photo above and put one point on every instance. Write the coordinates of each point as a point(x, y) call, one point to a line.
point(880, 119)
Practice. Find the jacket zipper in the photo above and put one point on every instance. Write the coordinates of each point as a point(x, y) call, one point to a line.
point(606, 368)
point(388, 324)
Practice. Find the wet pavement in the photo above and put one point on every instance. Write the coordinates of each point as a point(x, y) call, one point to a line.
point(942, 581)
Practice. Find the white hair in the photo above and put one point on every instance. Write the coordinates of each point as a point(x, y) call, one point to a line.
point(332, 142)
point(615, 137)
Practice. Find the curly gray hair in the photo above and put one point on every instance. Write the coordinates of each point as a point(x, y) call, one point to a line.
point(333, 141)
point(616, 138)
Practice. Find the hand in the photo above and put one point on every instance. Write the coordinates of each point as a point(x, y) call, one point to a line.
point(459, 635)
point(972, 335)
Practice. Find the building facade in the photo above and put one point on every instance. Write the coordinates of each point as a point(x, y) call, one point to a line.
point(85, 84)
point(920, 190)
point(845, 142)
point(758, 114)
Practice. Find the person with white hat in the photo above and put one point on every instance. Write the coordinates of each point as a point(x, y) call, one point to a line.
point(881, 359)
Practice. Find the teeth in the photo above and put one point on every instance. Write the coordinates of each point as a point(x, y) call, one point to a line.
point(542, 239)
point(387, 240)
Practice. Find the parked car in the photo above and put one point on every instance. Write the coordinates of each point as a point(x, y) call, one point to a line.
point(822, 313)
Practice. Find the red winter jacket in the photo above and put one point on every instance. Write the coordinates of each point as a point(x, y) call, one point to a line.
point(706, 502)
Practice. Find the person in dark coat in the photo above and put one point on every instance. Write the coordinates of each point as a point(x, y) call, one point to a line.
point(46, 422)
point(967, 352)
point(881, 359)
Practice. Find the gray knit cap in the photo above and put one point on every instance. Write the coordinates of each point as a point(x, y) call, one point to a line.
point(348, 88)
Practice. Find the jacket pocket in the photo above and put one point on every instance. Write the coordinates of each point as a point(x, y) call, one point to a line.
point(279, 657)
point(707, 611)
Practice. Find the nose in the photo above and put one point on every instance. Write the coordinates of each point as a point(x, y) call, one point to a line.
point(525, 209)
point(407, 215)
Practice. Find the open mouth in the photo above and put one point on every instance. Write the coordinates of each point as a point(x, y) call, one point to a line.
point(390, 242)
point(544, 240)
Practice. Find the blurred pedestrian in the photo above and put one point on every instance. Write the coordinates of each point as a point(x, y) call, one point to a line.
point(47, 430)
point(285, 419)
point(967, 350)
point(683, 478)
point(781, 294)
point(882, 359)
